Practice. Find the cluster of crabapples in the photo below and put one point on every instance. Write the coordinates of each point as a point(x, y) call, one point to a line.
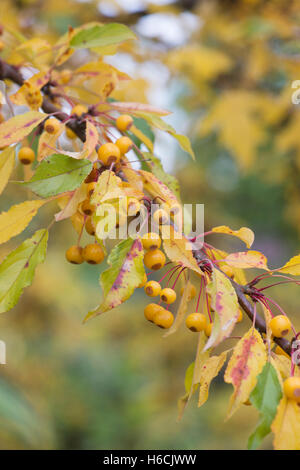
point(154, 260)
point(108, 154)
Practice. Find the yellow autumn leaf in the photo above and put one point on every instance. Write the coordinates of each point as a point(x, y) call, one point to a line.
point(239, 275)
point(182, 309)
point(245, 234)
point(157, 189)
point(179, 249)
point(247, 361)
point(225, 304)
point(29, 93)
point(7, 160)
point(286, 426)
point(109, 186)
point(240, 132)
point(193, 375)
point(291, 267)
point(247, 259)
point(208, 372)
point(18, 127)
point(16, 219)
point(69, 204)
point(202, 63)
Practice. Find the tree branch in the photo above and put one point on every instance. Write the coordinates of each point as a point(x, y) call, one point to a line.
point(246, 305)
point(76, 124)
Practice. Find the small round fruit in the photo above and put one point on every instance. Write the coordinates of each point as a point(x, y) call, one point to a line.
point(152, 288)
point(124, 122)
point(154, 259)
point(291, 388)
point(93, 253)
point(142, 284)
point(79, 110)
point(168, 295)
point(280, 326)
point(70, 134)
point(1, 46)
point(196, 321)
point(161, 217)
point(151, 241)
point(74, 254)
point(109, 153)
point(89, 226)
point(125, 144)
point(26, 155)
point(51, 126)
point(164, 319)
point(208, 329)
point(151, 310)
point(193, 291)
point(90, 188)
point(87, 208)
point(240, 317)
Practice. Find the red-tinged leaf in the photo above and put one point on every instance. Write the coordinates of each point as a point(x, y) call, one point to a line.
point(225, 304)
point(125, 273)
point(246, 363)
point(18, 127)
point(247, 259)
point(135, 108)
point(209, 370)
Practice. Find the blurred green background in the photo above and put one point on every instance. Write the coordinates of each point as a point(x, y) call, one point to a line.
point(114, 382)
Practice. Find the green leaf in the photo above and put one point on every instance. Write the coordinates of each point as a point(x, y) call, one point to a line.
point(126, 272)
point(102, 36)
point(58, 174)
point(265, 397)
point(156, 121)
point(17, 269)
point(156, 167)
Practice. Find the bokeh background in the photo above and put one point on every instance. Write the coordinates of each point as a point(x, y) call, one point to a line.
point(225, 69)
